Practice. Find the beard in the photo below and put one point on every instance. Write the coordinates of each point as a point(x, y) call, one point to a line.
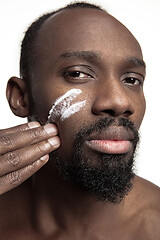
point(106, 177)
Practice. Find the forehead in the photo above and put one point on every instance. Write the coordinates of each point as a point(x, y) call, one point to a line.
point(85, 30)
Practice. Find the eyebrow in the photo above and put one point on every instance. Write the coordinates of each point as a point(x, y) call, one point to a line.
point(92, 56)
point(87, 55)
point(134, 61)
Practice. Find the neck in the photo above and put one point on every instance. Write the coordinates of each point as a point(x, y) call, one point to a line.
point(59, 205)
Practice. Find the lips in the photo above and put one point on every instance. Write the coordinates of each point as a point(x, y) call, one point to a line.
point(115, 140)
point(110, 146)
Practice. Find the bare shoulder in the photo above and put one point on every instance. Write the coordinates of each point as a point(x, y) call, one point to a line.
point(148, 192)
point(147, 211)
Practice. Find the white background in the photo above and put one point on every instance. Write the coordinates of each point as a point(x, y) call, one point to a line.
point(142, 17)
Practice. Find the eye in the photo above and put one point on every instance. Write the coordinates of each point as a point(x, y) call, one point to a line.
point(77, 74)
point(132, 81)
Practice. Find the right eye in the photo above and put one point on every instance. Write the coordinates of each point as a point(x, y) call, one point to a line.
point(77, 74)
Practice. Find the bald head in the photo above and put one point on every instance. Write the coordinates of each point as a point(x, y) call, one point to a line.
point(81, 26)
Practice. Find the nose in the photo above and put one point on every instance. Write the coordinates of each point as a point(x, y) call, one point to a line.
point(114, 99)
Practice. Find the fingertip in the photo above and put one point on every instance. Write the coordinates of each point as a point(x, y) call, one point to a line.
point(54, 141)
point(33, 124)
point(51, 128)
point(45, 158)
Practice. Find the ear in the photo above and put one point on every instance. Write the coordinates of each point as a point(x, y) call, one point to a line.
point(17, 97)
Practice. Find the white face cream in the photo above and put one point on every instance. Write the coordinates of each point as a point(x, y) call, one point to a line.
point(63, 106)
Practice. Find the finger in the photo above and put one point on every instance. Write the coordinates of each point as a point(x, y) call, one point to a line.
point(18, 159)
point(17, 140)
point(19, 128)
point(14, 179)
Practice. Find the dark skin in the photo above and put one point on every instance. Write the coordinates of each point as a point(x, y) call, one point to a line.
point(45, 206)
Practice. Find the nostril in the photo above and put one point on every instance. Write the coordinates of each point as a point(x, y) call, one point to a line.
point(109, 112)
point(127, 113)
point(114, 113)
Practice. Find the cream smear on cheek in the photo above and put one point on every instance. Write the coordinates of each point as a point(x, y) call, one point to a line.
point(63, 107)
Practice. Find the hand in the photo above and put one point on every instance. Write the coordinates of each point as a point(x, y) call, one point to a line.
point(24, 150)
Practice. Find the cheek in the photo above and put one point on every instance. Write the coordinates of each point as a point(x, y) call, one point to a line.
point(69, 128)
point(68, 112)
point(64, 107)
point(140, 108)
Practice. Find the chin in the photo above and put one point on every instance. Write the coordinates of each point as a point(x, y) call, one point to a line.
point(104, 177)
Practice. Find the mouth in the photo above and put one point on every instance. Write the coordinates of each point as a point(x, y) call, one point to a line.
point(110, 146)
point(115, 140)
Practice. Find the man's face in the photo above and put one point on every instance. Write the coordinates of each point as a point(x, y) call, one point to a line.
point(91, 51)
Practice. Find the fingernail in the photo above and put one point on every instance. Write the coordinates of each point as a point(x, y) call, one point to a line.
point(54, 141)
point(50, 128)
point(45, 157)
point(33, 124)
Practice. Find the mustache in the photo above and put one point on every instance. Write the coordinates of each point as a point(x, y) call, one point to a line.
point(104, 123)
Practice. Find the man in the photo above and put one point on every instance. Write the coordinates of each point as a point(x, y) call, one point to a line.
point(82, 75)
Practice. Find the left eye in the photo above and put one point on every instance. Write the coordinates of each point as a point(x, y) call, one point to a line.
point(132, 81)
